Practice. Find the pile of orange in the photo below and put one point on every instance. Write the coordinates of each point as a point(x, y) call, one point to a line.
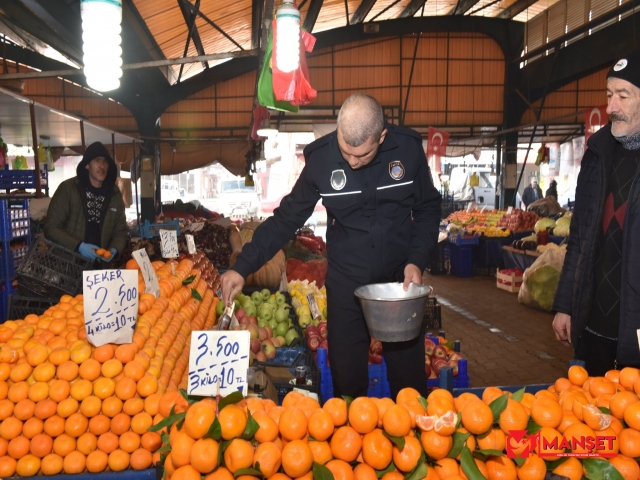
point(361, 440)
point(68, 407)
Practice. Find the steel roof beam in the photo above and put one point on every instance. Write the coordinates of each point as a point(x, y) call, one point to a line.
point(518, 7)
point(210, 22)
point(190, 21)
point(363, 10)
point(312, 15)
point(411, 9)
point(464, 6)
point(257, 6)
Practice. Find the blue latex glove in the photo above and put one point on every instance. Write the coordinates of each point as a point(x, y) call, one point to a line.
point(87, 250)
point(114, 252)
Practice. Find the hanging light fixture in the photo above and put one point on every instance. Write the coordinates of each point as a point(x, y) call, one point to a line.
point(101, 41)
point(287, 37)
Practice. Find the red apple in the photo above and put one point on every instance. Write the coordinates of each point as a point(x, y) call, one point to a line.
point(311, 330)
point(313, 343)
point(256, 346)
point(440, 352)
point(427, 369)
point(323, 328)
point(454, 366)
point(269, 351)
point(269, 331)
point(437, 364)
point(260, 356)
point(429, 345)
point(262, 333)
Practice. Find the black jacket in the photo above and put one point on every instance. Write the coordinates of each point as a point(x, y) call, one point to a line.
point(528, 196)
point(576, 287)
point(370, 233)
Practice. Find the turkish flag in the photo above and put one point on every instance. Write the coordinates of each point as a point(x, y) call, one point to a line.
point(436, 148)
point(594, 119)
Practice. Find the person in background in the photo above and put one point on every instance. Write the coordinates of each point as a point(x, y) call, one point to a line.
point(552, 191)
point(532, 193)
point(87, 211)
point(598, 295)
point(383, 214)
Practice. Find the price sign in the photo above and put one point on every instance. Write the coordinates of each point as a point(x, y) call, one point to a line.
point(509, 210)
point(191, 244)
point(110, 305)
point(169, 243)
point(148, 273)
point(218, 358)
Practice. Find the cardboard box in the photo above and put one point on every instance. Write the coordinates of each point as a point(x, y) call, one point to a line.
point(509, 282)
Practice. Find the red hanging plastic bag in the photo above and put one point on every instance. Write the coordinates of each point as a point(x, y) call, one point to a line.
point(294, 87)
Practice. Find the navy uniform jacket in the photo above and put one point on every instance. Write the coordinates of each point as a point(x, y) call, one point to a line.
point(370, 233)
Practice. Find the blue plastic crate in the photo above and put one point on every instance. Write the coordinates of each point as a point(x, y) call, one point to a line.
point(7, 264)
point(17, 179)
point(460, 240)
point(378, 381)
point(150, 230)
point(460, 260)
point(14, 219)
point(285, 357)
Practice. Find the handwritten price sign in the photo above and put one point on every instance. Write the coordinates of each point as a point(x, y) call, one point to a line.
point(169, 243)
point(218, 358)
point(191, 244)
point(148, 273)
point(110, 305)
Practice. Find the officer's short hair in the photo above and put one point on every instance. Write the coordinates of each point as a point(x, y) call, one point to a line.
point(360, 118)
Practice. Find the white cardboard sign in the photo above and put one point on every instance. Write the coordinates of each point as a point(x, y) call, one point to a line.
point(509, 210)
point(148, 273)
point(218, 358)
point(169, 243)
point(191, 244)
point(110, 305)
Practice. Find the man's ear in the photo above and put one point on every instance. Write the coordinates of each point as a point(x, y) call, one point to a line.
point(382, 135)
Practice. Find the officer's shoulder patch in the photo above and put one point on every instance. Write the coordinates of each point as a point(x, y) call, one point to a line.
point(316, 144)
point(406, 131)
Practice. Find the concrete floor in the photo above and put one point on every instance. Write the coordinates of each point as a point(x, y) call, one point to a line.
point(505, 342)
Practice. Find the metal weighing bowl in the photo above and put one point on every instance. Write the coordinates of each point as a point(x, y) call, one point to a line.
point(393, 315)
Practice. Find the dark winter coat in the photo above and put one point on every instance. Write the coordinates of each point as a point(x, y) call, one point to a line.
point(65, 223)
point(576, 286)
point(528, 197)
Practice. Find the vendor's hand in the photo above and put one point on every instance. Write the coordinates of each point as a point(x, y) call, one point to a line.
point(114, 252)
point(412, 274)
point(562, 328)
point(88, 250)
point(232, 283)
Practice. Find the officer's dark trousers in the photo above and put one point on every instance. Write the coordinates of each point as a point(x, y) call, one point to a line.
point(349, 346)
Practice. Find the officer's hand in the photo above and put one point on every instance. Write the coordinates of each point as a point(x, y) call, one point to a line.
point(232, 283)
point(412, 274)
point(88, 250)
point(562, 328)
point(114, 252)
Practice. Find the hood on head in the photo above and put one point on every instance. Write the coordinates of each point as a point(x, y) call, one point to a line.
point(97, 149)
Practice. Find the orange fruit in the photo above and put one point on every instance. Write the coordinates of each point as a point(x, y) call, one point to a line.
point(577, 375)
point(10, 428)
point(111, 368)
point(629, 442)
point(32, 427)
point(181, 449)
point(549, 437)
point(476, 417)
point(97, 461)
point(546, 412)
point(90, 406)
point(87, 443)
point(365, 472)
point(627, 467)
point(406, 459)
point(346, 444)
point(619, 403)
point(108, 442)
point(501, 468)
point(7, 467)
point(111, 406)
point(99, 424)
point(630, 414)
point(90, 369)
point(490, 394)
point(24, 409)
point(321, 452)
point(238, 455)
point(64, 444)
point(198, 420)
point(52, 464)
point(269, 457)
point(118, 460)
point(406, 395)
point(293, 424)
point(18, 447)
point(141, 459)
point(571, 468)
point(533, 468)
point(601, 385)
point(446, 468)
point(320, 425)
point(129, 442)
point(142, 422)
point(514, 417)
point(439, 406)
point(28, 466)
point(337, 408)
point(297, 458)
point(396, 421)
point(268, 430)
point(133, 406)
point(233, 421)
point(41, 445)
point(377, 450)
point(628, 377)
point(204, 455)
point(54, 426)
point(495, 439)
point(437, 446)
point(340, 470)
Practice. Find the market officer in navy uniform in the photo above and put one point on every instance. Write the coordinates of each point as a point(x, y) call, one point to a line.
point(382, 222)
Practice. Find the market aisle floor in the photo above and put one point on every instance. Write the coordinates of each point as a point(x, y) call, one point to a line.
point(505, 342)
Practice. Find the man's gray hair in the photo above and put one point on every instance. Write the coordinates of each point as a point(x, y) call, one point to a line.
point(360, 118)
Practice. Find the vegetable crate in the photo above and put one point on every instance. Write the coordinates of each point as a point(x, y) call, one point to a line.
point(19, 307)
point(509, 280)
point(23, 179)
point(459, 260)
point(432, 314)
point(50, 270)
point(313, 378)
point(14, 225)
point(460, 240)
point(150, 230)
